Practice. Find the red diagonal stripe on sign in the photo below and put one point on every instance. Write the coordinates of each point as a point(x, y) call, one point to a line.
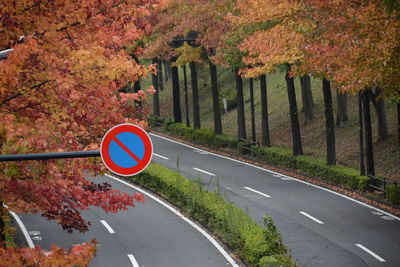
point(127, 150)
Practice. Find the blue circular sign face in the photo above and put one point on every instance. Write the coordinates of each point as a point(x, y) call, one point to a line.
point(126, 149)
point(120, 156)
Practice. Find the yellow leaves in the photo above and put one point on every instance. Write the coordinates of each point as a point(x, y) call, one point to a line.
point(87, 59)
point(187, 54)
point(102, 65)
point(269, 48)
point(256, 11)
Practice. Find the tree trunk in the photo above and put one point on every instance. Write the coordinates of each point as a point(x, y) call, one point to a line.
point(253, 117)
point(361, 132)
point(306, 93)
point(138, 103)
point(379, 105)
point(241, 121)
point(186, 96)
point(136, 89)
point(341, 114)
point(215, 96)
point(294, 119)
point(303, 96)
point(2, 226)
point(398, 121)
point(195, 95)
point(176, 95)
point(167, 70)
point(330, 123)
point(136, 86)
point(265, 141)
point(368, 135)
point(156, 98)
point(160, 75)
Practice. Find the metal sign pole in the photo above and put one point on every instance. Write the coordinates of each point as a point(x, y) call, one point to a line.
point(51, 155)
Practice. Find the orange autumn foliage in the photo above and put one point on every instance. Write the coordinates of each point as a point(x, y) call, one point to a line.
point(59, 92)
point(353, 44)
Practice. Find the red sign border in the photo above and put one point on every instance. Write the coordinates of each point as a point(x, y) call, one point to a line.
point(104, 149)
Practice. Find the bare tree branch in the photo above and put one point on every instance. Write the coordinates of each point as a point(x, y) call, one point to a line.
point(19, 93)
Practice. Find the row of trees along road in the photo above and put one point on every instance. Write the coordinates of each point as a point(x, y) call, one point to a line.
point(59, 91)
point(352, 46)
point(64, 84)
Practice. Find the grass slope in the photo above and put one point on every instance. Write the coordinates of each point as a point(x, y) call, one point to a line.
point(387, 154)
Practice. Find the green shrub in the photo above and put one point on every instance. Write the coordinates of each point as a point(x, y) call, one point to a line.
point(181, 129)
point(155, 121)
point(336, 174)
point(393, 194)
point(202, 136)
point(275, 261)
point(244, 147)
point(252, 243)
point(168, 124)
point(152, 120)
point(225, 140)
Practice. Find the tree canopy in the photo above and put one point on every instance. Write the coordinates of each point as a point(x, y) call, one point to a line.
point(59, 92)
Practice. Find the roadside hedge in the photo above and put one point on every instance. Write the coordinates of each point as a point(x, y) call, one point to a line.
point(274, 155)
point(202, 136)
point(336, 174)
point(393, 194)
point(256, 245)
point(278, 156)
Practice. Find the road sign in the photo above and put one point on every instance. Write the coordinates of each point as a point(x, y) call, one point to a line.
point(126, 149)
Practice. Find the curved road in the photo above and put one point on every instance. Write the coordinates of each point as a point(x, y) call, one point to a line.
point(320, 227)
point(147, 235)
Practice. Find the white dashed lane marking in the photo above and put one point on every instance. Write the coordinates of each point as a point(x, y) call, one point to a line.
point(311, 217)
point(162, 157)
point(285, 176)
point(107, 226)
point(133, 260)
point(203, 171)
point(180, 215)
point(370, 252)
point(258, 192)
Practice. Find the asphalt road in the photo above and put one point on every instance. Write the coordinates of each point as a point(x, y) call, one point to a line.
point(320, 227)
point(147, 235)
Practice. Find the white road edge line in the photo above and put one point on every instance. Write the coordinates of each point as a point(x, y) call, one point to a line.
point(298, 180)
point(133, 260)
point(255, 191)
point(311, 217)
point(23, 229)
point(180, 215)
point(106, 225)
point(370, 252)
point(160, 156)
point(203, 171)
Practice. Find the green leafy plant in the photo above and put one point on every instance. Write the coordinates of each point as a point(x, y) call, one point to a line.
point(278, 156)
point(253, 243)
point(336, 174)
point(393, 194)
